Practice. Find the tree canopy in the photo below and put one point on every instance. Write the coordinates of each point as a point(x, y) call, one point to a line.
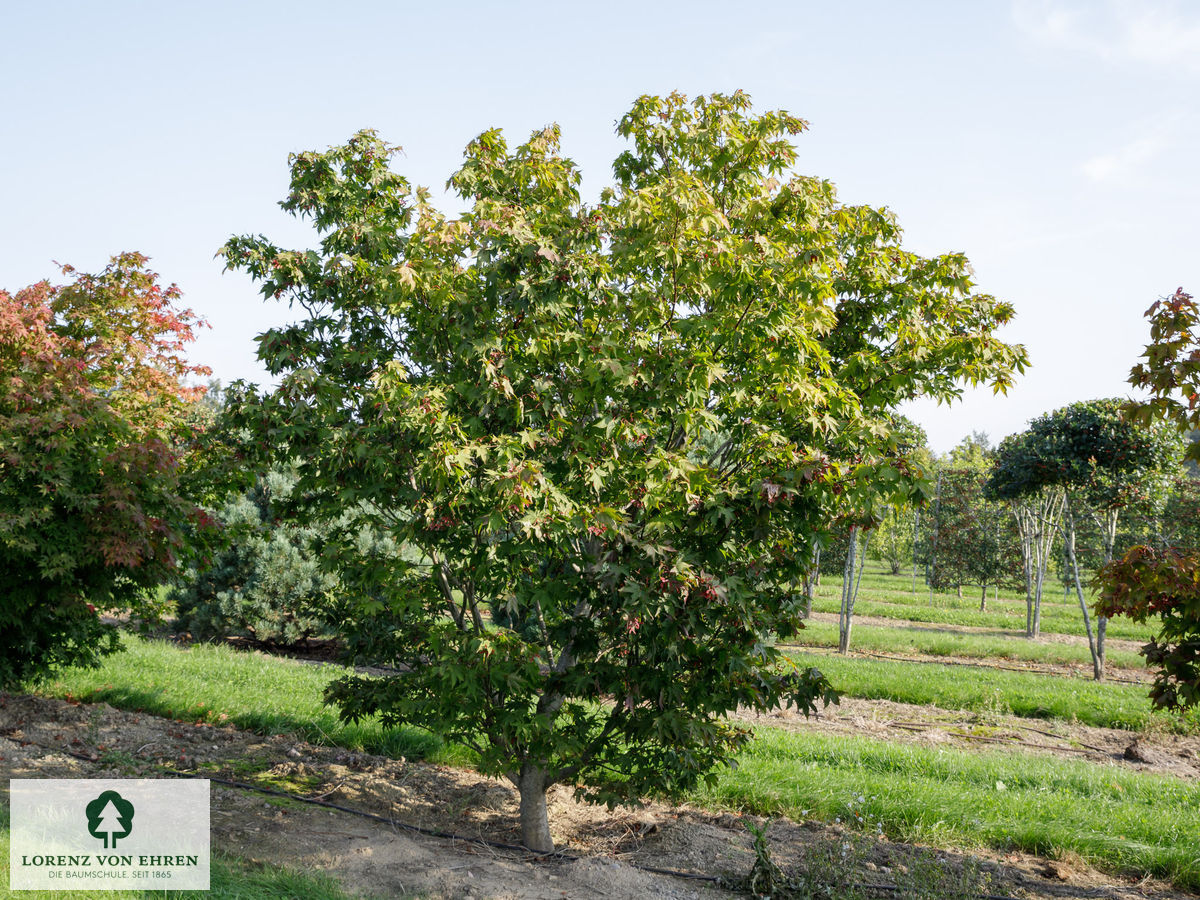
point(610, 430)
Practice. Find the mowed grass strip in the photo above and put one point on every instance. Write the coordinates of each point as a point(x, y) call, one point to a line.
point(899, 639)
point(219, 685)
point(1044, 804)
point(1115, 819)
point(1056, 619)
point(997, 691)
point(891, 596)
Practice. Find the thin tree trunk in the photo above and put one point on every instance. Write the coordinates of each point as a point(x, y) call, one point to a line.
point(983, 598)
point(916, 537)
point(1097, 663)
point(847, 607)
point(937, 509)
point(535, 822)
point(1109, 532)
point(894, 555)
point(862, 564)
point(1023, 527)
point(1047, 515)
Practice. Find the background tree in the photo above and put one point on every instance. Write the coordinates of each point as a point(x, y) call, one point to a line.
point(618, 421)
point(94, 497)
point(895, 539)
point(1018, 477)
point(265, 583)
point(971, 530)
point(1102, 464)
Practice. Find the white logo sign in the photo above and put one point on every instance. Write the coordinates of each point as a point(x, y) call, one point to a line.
point(108, 834)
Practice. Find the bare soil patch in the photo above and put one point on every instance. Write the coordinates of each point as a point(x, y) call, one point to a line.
point(604, 850)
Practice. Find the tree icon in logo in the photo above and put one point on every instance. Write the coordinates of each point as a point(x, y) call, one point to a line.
point(110, 816)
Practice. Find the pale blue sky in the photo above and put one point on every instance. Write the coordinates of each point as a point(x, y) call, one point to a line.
point(1055, 143)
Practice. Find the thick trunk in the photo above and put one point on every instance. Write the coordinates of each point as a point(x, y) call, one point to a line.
point(535, 823)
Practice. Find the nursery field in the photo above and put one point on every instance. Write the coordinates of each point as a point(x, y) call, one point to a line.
point(955, 732)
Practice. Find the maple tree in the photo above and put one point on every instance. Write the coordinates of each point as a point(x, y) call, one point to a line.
point(94, 412)
point(1164, 583)
point(609, 433)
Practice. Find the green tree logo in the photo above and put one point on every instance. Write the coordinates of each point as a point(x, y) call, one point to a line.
point(110, 816)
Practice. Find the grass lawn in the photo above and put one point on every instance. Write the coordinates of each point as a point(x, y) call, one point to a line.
point(1113, 818)
point(220, 685)
point(891, 596)
point(884, 639)
point(1106, 704)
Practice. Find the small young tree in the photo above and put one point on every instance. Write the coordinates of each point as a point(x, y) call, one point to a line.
point(613, 425)
point(94, 505)
point(895, 536)
point(971, 536)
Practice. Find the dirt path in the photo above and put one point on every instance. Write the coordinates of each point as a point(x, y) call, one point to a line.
point(384, 860)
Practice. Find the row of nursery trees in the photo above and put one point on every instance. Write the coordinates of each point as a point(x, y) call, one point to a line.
point(564, 464)
point(1064, 498)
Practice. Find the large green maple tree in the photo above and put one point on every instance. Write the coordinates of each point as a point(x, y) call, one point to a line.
point(608, 433)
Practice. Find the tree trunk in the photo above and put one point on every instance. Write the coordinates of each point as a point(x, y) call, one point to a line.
point(1097, 660)
point(1109, 533)
point(937, 517)
point(847, 608)
point(1027, 560)
point(916, 538)
point(983, 598)
point(535, 823)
